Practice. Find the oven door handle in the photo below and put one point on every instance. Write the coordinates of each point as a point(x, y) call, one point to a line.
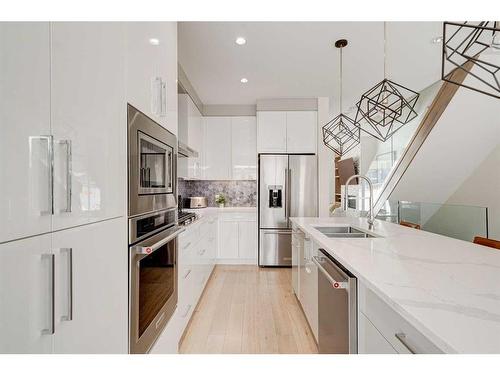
point(146, 250)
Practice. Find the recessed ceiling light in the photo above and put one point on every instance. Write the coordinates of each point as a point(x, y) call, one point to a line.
point(240, 41)
point(437, 40)
point(154, 41)
point(243, 80)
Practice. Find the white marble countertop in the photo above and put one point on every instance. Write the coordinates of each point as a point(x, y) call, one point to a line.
point(447, 289)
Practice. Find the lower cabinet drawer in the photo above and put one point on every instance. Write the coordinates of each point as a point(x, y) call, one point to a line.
point(400, 334)
point(370, 340)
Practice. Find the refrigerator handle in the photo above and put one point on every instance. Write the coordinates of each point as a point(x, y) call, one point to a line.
point(288, 195)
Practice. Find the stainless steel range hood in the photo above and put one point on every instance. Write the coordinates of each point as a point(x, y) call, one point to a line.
point(186, 151)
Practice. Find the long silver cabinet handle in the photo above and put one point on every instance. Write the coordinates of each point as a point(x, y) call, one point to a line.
point(52, 287)
point(402, 339)
point(69, 173)
point(50, 165)
point(69, 252)
point(335, 284)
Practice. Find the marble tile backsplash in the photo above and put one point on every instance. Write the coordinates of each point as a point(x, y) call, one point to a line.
point(241, 193)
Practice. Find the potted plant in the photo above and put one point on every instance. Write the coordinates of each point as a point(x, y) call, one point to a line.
point(220, 200)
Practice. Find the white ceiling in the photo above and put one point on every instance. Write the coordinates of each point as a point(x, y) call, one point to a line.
point(298, 59)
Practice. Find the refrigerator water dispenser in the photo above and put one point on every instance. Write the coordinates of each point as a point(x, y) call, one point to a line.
point(275, 196)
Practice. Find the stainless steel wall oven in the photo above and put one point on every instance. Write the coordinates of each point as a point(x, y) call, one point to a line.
point(153, 229)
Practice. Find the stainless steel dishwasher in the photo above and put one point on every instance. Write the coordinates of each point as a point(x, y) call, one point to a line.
point(337, 310)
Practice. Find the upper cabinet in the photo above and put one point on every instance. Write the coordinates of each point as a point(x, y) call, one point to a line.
point(63, 119)
point(217, 148)
point(229, 148)
point(291, 132)
point(191, 134)
point(243, 148)
point(152, 70)
point(301, 132)
point(88, 120)
point(271, 131)
point(25, 146)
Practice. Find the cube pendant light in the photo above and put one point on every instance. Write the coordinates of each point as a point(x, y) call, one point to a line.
point(479, 44)
point(341, 133)
point(386, 107)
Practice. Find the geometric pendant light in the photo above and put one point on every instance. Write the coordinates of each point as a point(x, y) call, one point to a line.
point(386, 107)
point(477, 44)
point(341, 133)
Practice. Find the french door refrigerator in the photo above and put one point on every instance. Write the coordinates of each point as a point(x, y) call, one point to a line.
point(287, 188)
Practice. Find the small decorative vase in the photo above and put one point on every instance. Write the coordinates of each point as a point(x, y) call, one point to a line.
point(221, 205)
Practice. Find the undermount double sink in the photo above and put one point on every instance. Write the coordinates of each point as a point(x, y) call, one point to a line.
point(344, 232)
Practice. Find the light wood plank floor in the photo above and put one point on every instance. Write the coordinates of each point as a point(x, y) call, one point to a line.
point(247, 309)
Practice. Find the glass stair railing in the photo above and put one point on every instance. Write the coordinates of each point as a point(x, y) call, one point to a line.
point(455, 221)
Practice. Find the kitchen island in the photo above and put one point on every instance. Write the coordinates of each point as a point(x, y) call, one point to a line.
point(447, 290)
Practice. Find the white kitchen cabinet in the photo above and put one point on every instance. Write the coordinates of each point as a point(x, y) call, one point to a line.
point(88, 122)
point(395, 329)
point(191, 134)
point(25, 296)
point(92, 283)
point(247, 240)
point(297, 245)
point(238, 238)
point(217, 148)
point(24, 116)
point(292, 132)
point(370, 340)
point(244, 148)
point(151, 54)
point(301, 132)
point(271, 131)
point(228, 248)
point(308, 281)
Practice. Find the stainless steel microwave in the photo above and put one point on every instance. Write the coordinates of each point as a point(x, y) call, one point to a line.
point(152, 165)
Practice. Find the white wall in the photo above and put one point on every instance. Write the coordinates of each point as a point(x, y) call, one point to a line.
point(459, 158)
point(482, 189)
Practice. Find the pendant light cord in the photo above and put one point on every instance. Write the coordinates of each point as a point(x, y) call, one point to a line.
point(385, 49)
point(340, 71)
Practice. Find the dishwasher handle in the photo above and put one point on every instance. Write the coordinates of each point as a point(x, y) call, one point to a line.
point(334, 283)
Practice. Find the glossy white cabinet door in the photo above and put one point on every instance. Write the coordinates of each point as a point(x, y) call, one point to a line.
point(195, 139)
point(308, 292)
point(271, 131)
point(301, 131)
point(244, 148)
point(247, 240)
point(217, 148)
point(24, 113)
point(228, 235)
point(182, 118)
point(88, 109)
point(99, 263)
point(370, 340)
point(25, 296)
point(147, 61)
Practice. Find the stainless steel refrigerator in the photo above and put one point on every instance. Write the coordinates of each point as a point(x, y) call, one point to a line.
point(288, 187)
